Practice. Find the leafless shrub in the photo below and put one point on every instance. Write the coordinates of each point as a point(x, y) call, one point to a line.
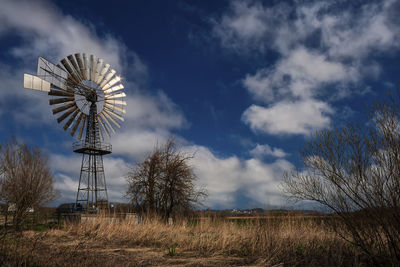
point(26, 180)
point(355, 172)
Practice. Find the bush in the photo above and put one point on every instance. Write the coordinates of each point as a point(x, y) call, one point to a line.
point(355, 172)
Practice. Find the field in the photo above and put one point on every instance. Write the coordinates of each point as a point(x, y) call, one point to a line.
point(210, 241)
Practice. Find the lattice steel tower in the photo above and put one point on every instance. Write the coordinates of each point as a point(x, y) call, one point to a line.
point(92, 189)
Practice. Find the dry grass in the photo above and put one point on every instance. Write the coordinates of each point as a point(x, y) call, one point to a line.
point(287, 241)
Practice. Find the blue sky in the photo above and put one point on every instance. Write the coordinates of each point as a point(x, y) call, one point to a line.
point(243, 84)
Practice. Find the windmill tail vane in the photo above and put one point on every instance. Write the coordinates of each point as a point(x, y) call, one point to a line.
point(88, 95)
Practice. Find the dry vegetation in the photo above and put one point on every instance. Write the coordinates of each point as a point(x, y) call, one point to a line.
point(287, 241)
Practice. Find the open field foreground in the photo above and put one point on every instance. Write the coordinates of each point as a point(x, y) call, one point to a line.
point(294, 241)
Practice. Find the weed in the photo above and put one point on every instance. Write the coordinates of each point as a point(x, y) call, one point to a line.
point(171, 251)
point(40, 228)
point(300, 250)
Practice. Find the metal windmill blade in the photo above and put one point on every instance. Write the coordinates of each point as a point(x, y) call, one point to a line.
point(77, 122)
point(89, 96)
point(103, 126)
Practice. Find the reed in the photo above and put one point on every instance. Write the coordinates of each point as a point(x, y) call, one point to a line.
point(209, 241)
point(288, 239)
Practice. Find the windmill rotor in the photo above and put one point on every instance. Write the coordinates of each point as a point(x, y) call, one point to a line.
point(86, 97)
point(76, 82)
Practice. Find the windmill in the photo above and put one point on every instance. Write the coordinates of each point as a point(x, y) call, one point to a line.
point(87, 97)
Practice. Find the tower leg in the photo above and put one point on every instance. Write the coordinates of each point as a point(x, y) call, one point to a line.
point(92, 190)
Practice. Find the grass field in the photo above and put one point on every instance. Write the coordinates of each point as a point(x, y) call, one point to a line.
point(283, 241)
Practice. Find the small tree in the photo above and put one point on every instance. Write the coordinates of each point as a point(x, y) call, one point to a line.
point(164, 182)
point(25, 179)
point(145, 182)
point(355, 172)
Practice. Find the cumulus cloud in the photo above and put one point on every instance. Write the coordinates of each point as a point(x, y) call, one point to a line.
point(298, 117)
point(260, 151)
point(155, 111)
point(341, 29)
point(150, 119)
point(243, 27)
point(67, 187)
point(226, 177)
point(291, 85)
point(47, 31)
point(138, 143)
point(320, 45)
point(300, 74)
point(247, 25)
point(370, 30)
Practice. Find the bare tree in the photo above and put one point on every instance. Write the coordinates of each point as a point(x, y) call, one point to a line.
point(355, 172)
point(26, 181)
point(145, 182)
point(164, 182)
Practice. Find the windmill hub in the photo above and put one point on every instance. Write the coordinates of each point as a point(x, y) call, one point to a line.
point(89, 95)
point(90, 90)
point(92, 97)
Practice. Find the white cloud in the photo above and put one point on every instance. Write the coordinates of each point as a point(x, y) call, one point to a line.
point(247, 21)
point(265, 150)
point(150, 119)
point(225, 178)
point(320, 45)
point(243, 27)
point(138, 143)
point(370, 31)
point(66, 164)
point(153, 112)
point(67, 187)
point(350, 32)
point(47, 31)
point(293, 84)
point(301, 73)
point(248, 26)
point(286, 117)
